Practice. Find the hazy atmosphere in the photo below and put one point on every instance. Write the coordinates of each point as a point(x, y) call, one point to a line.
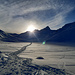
point(17, 15)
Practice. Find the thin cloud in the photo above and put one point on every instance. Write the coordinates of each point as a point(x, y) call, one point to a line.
point(12, 13)
point(59, 18)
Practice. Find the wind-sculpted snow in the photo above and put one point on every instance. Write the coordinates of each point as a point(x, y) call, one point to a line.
point(14, 65)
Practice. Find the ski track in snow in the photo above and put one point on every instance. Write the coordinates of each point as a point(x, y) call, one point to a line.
point(19, 51)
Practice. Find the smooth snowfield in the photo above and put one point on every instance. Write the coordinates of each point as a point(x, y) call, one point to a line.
point(61, 57)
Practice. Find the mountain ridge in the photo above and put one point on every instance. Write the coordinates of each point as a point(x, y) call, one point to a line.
point(64, 34)
point(67, 34)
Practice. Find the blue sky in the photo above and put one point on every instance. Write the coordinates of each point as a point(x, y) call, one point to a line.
point(17, 15)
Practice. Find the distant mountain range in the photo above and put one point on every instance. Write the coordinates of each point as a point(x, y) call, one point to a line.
point(64, 34)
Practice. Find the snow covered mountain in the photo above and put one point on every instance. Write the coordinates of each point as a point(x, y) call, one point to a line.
point(36, 36)
point(64, 34)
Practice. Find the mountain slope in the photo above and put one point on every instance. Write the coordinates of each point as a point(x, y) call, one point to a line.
point(64, 34)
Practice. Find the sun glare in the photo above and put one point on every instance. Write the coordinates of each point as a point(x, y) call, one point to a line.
point(31, 28)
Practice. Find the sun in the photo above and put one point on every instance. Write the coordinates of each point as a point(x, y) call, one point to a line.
point(31, 28)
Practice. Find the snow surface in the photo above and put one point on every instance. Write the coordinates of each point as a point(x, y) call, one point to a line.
point(58, 60)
